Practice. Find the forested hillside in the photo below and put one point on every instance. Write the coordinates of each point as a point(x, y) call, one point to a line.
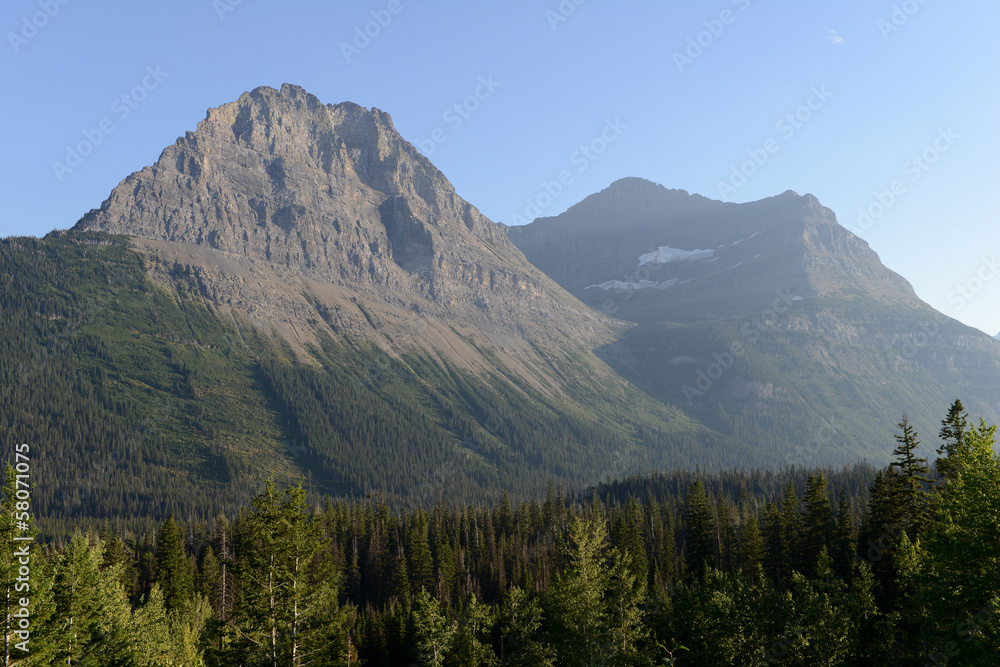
point(142, 399)
point(805, 567)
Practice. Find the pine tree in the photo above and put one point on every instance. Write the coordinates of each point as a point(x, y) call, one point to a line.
point(419, 560)
point(625, 599)
point(953, 428)
point(173, 569)
point(77, 577)
point(961, 569)
point(774, 561)
point(288, 613)
point(844, 539)
point(790, 531)
point(750, 546)
point(915, 484)
point(818, 521)
point(700, 543)
point(221, 596)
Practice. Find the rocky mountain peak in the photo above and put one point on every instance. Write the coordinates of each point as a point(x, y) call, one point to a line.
point(277, 202)
point(331, 191)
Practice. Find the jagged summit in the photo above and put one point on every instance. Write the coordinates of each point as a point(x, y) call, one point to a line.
point(331, 190)
point(329, 199)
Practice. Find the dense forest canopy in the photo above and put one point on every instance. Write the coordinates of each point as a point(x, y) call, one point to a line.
point(897, 566)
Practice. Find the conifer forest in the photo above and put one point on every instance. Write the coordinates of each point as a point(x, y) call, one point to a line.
point(858, 566)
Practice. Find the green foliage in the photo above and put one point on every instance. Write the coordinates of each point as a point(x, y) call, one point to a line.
point(568, 581)
point(433, 632)
point(960, 572)
point(700, 543)
point(952, 434)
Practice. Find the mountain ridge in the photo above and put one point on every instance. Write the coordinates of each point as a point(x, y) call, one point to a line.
point(307, 296)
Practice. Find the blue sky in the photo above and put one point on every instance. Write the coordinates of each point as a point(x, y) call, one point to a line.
point(882, 106)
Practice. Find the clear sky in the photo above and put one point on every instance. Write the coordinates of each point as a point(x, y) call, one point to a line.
point(854, 101)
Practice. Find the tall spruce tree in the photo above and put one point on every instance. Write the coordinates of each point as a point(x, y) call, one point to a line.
point(914, 483)
point(701, 531)
point(173, 569)
point(817, 530)
point(790, 531)
point(952, 434)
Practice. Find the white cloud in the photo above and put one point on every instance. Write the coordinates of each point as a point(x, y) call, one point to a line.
point(834, 38)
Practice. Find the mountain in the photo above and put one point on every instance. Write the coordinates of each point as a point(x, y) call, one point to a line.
point(330, 199)
point(647, 253)
point(766, 321)
point(293, 291)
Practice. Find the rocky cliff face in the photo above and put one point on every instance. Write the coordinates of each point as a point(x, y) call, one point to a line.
point(324, 197)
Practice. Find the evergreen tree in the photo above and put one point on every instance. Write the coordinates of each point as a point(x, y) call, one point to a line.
point(625, 599)
point(750, 546)
point(288, 613)
point(844, 539)
point(420, 561)
point(774, 561)
point(953, 428)
point(700, 543)
point(961, 569)
point(173, 569)
point(914, 482)
point(78, 599)
point(818, 521)
point(576, 603)
point(790, 530)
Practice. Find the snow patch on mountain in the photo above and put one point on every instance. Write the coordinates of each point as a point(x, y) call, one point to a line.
point(638, 284)
point(665, 254)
